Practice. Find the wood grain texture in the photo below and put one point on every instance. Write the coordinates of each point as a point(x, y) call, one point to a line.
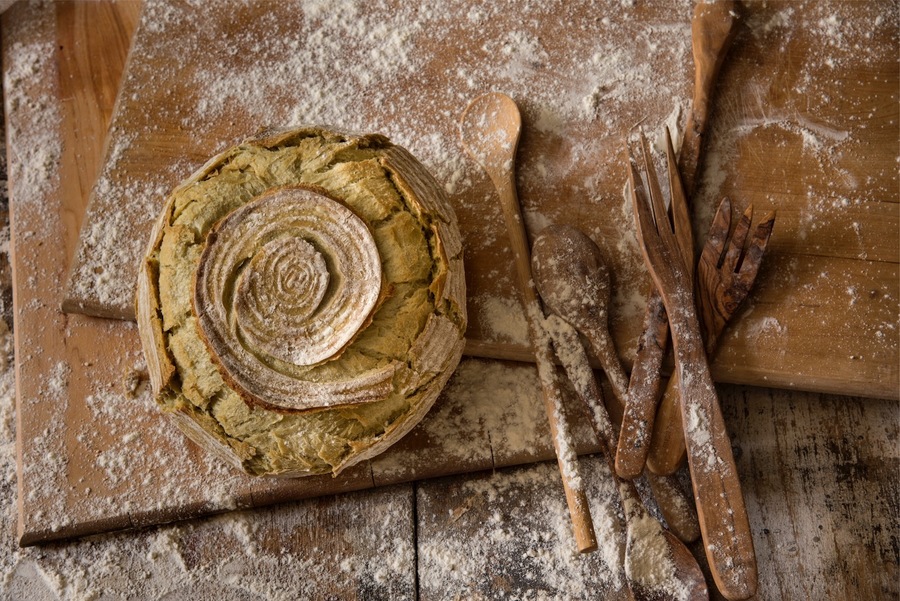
point(795, 127)
point(92, 50)
point(818, 474)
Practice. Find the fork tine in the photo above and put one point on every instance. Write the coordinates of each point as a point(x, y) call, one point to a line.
point(735, 252)
point(718, 235)
point(643, 219)
point(684, 234)
point(660, 214)
point(753, 257)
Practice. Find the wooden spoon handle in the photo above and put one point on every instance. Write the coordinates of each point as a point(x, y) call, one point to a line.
point(712, 30)
point(667, 451)
point(675, 506)
point(717, 489)
point(603, 347)
point(576, 497)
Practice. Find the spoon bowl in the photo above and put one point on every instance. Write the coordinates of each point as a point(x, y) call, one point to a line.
point(573, 281)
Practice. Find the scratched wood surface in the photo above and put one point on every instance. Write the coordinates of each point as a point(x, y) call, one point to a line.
point(805, 124)
point(819, 477)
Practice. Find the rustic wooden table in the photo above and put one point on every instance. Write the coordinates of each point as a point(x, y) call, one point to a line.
point(819, 475)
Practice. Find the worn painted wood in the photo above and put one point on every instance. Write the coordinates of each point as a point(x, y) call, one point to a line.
point(807, 129)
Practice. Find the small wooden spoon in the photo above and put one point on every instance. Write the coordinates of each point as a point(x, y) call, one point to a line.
point(490, 129)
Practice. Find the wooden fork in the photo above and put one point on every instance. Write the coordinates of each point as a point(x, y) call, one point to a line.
point(644, 385)
point(725, 275)
point(724, 525)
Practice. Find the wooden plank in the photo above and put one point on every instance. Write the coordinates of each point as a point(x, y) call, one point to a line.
point(89, 457)
point(508, 533)
point(92, 51)
point(804, 126)
point(327, 548)
point(818, 476)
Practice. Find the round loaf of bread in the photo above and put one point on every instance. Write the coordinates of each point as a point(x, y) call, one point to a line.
point(302, 300)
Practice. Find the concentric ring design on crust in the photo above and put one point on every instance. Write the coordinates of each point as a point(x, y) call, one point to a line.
point(302, 301)
point(284, 282)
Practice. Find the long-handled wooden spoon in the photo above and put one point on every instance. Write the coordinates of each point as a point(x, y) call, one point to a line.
point(490, 129)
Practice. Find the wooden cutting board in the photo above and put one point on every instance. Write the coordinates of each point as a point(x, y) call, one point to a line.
point(91, 458)
point(806, 125)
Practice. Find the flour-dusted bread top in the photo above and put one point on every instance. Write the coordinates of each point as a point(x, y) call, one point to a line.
point(302, 300)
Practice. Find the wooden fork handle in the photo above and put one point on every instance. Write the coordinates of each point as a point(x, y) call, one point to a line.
point(666, 449)
point(643, 391)
point(724, 524)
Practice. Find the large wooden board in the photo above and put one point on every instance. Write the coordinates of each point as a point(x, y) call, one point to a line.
point(94, 455)
point(805, 125)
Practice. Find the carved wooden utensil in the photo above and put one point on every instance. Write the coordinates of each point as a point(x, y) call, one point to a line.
point(717, 490)
point(643, 391)
point(573, 280)
point(713, 28)
point(725, 276)
point(645, 536)
point(490, 129)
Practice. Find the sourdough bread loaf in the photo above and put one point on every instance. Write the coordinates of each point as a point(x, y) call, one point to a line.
point(302, 300)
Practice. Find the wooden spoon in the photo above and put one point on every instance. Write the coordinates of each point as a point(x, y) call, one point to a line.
point(573, 280)
point(490, 129)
